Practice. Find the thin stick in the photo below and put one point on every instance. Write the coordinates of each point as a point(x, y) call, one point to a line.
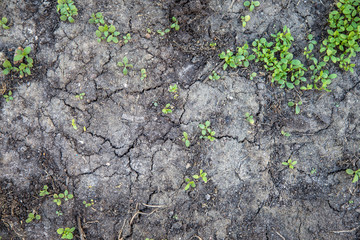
point(279, 235)
point(81, 231)
point(346, 231)
point(121, 230)
point(154, 206)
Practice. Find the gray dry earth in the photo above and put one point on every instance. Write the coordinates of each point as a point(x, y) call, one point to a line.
point(131, 159)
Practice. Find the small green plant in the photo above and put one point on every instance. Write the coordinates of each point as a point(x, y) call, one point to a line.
point(107, 33)
point(8, 67)
point(24, 68)
point(206, 131)
point(66, 196)
point(175, 24)
point(313, 171)
point(59, 213)
point(185, 139)
point(241, 58)
point(143, 74)
point(253, 75)
point(245, 19)
point(167, 109)
point(80, 96)
point(162, 33)
point(73, 123)
point(67, 10)
point(250, 118)
point(297, 106)
point(355, 173)
point(212, 44)
point(127, 38)
point(290, 163)
point(8, 97)
point(88, 204)
point(189, 184)
point(214, 76)
point(44, 192)
point(125, 64)
point(66, 233)
point(174, 89)
point(97, 18)
point(286, 134)
point(3, 23)
point(32, 216)
point(149, 239)
point(251, 4)
point(201, 175)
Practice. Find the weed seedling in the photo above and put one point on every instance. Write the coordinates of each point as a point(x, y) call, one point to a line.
point(67, 10)
point(59, 213)
point(20, 55)
point(80, 96)
point(125, 64)
point(253, 75)
point(189, 184)
point(245, 19)
point(175, 24)
point(107, 33)
point(66, 196)
point(206, 132)
point(32, 216)
point(73, 123)
point(185, 139)
point(162, 33)
point(313, 171)
point(97, 18)
point(167, 109)
point(250, 118)
point(355, 173)
point(286, 134)
point(8, 97)
point(202, 175)
point(3, 23)
point(44, 192)
point(66, 233)
point(251, 4)
point(290, 163)
point(88, 204)
point(143, 74)
point(127, 38)
point(174, 89)
point(214, 76)
point(297, 108)
point(212, 44)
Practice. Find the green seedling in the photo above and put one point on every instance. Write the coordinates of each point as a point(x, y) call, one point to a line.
point(286, 134)
point(97, 18)
point(253, 75)
point(88, 204)
point(127, 38)
point(355, 173)
point(8, 67)
point(175, 24)
point(251, 4)
point(66, 233)
point(250, 118)
point(242, 57)
point(107, 33)
point(80, 96)
point(167, 109)
point(59, 213)
point(214, 76)
point(8, 97)
point(73, 123)
point(67, 10)
point(3, 23)
point(189, 184)
point(212, 44)
point(185, 139)
point(313, 171)
point(351, 201)
point(44, 192)
point(245, 19)
point(66, 196)
point(174, 89)
point(202, 175)
point(149, 239)
point(143, 74)
point(32, 216)
point(162, 33)
point(125, 64)
point(148, 30)
point(290, 163)
point(297, 106)
point(19, 57)
point(206, 131)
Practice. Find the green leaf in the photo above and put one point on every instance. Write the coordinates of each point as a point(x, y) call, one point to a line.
point(297, 109)
point(18, 57)
point(247, 3)
point(201, 126)
point(112, 29)
point(196, 176)
point(7, 64)
point(125, 71)
point(27, 50)
point(284, 163)
point(192, 184)
point(349, 171)
point(247, 18)
point(125, 60)
point(356, 178)
point(187, 143)
point(61, 195)
point(207, 123)
point(290, 85)
point(60, 231)
point(291, 104)
point(256, 3)
point(71, 19)
point(4, 20)
point(251, 8)
point(98, 33)
point(187, 187)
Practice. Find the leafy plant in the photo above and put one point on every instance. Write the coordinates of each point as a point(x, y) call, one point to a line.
point(97, 18)
point(67, 10)
point(3, 23)
point(185, 139)
point(297, 108)
point(206, 131)
point(88, 204)
point(174, 89)
point(253, 75)
point(125, 64)
point(167, 109)
point(8, 97)
point(212, 44)
point(201, 175)
point(286, 134)
point(189, 184)
point(32, 216)
point(24, 68)
point(44, 192)
point(127, 38)
point(175, 24)
point(73, 123)
point(355, 173)
point(241, 58)
point(250, 118)
point(251, 4)
point(66, 233)
point(143, 74)
point(214, 76)
point(313, 171)
point(290, 163)
point(245, 19)
point(66, 196)
point(162, 33)
point(80, 96)
point(59, 213)
point(107, 33)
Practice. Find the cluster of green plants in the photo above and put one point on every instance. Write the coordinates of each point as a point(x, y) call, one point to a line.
point(32, 216)
point(8, 97)
point(214, 76)
point(67, 10)
point(206, 131)
point(290, 163)
point(174, 89)
point(250, 118)
point(355, 173)
point(286, 134)
point(66, 233)
point(167, 109)
point(66, 196)
point(89, 204)
point(20, 57)
point(174, 25)
point(185, 139)
point(3, 22)
point(251, 4)
point(296, 105)
point(80, 96)
point(191, 183)
point(104, 32)
point(242, 57)
point(127, 38)
point(143, 73)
